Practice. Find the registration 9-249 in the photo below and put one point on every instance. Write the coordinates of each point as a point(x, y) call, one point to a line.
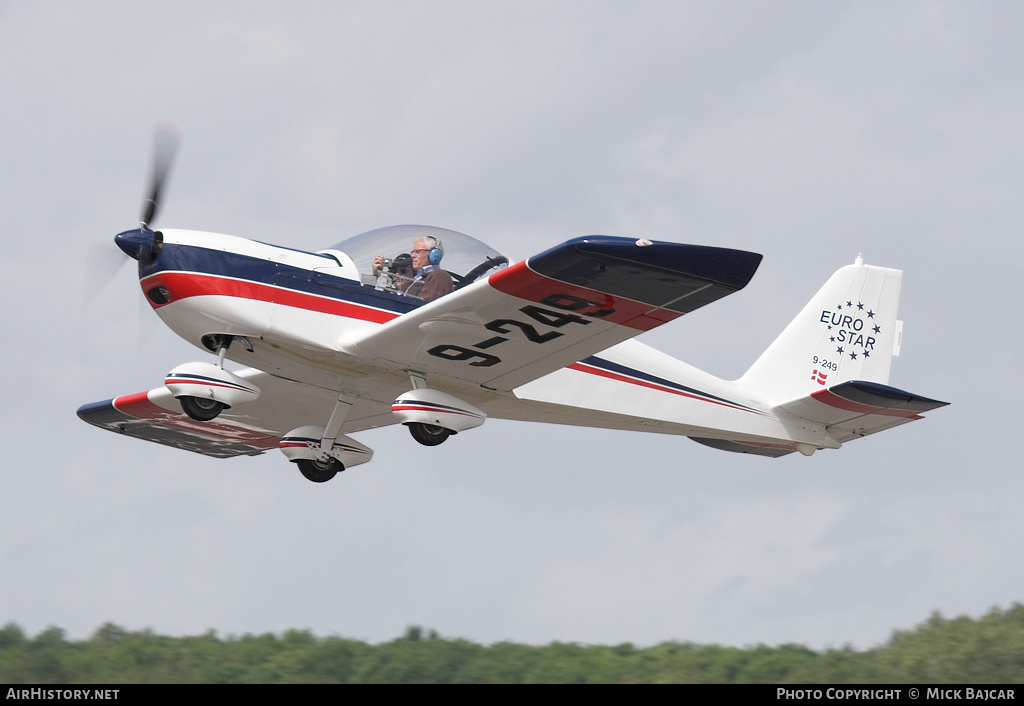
point(826, 364)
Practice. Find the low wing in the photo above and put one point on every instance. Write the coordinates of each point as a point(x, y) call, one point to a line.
point(554, 309)
point(247, 430)
point(857, 408)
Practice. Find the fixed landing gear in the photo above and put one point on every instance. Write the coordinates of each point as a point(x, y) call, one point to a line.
point(202, 409)
point(320, 471)
point(323, 452)
point(428, 434)
point(431, 415)
point(204, 390)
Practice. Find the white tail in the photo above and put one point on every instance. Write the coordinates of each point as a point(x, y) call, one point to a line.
point(846, 332)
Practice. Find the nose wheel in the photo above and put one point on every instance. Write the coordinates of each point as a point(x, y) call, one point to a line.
point(428, 434)
point(320, 471)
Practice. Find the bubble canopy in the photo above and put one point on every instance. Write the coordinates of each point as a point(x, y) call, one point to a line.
point(465, 258)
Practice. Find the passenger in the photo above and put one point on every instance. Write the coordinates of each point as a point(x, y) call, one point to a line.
point(400, 271)
point(404, 272)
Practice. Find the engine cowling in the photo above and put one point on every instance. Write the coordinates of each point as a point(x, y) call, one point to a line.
point(208, 381)
point(304, 444)
point(432, 407)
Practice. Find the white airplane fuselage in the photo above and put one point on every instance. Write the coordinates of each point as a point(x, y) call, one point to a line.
point(292, 312)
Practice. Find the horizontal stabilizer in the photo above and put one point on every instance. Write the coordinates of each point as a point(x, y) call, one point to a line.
point(857, 408)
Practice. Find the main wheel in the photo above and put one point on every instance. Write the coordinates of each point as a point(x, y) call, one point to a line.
point(320, 471)
point(428, 434)
point(202, 409)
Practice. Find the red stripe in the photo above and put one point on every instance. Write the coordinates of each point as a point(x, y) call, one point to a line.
point(834, 400)
point(583, 368)
point(183, 285)
point(138, 406)
point(520, 281)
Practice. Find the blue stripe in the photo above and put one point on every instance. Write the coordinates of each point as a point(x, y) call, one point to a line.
point(316, 442)
point(184, 378)
point(191, 258)
point(647, 377)
point(439, 407)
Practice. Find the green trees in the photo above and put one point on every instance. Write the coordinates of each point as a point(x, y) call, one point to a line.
point(987, 650)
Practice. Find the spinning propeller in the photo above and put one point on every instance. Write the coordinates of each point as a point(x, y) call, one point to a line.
point(165, 145)
point(143, 244)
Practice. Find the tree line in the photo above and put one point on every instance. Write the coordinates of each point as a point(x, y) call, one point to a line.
point(989, 649)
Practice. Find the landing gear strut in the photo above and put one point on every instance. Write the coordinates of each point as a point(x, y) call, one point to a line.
point(428, 434)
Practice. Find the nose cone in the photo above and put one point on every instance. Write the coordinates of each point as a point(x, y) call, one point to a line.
point(142, 245)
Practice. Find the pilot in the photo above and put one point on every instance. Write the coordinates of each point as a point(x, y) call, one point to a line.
point(430, 281)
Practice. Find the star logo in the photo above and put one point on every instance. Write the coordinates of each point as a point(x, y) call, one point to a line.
point(850, 328)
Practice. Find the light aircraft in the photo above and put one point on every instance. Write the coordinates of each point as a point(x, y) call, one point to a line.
point(335, 342)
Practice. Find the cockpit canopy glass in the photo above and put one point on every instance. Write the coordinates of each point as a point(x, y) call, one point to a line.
point(466, 259)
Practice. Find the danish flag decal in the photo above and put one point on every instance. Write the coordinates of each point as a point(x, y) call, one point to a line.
point(818, 377)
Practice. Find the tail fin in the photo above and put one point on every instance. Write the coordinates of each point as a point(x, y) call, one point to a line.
point(848, 331)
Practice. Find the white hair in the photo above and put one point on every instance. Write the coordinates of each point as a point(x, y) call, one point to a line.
point(431, 242)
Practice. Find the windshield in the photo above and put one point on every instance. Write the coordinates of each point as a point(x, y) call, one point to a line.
point(465, 259)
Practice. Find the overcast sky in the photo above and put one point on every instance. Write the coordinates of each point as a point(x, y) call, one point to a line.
point(808, 132)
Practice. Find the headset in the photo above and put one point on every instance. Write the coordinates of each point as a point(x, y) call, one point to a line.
point(436, 250)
